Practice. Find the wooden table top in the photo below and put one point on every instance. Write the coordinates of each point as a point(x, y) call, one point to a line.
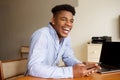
point(96, 76)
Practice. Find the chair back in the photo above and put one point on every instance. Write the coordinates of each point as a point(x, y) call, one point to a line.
point(13, 68)
point(24, 50)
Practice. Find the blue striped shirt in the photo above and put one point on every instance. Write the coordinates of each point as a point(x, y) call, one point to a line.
point(46, 52)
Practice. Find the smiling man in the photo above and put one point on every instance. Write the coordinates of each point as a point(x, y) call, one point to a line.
point(62, 22)
point(51, 43)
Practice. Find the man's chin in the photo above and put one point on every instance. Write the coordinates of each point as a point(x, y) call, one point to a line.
point(64, 36)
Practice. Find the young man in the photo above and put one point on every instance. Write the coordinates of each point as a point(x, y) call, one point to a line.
point(52, 42)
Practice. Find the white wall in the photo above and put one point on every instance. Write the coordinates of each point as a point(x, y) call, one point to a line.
point(95, 18)
point(20, 18)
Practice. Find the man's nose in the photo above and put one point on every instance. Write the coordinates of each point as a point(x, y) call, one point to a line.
point(69, 23)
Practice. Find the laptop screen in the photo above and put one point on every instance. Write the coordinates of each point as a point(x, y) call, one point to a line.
point(110, 54)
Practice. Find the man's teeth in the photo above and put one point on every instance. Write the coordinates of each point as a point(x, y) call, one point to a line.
point(67, 29)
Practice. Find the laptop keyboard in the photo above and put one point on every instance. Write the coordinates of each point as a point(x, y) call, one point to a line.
point(107, 68)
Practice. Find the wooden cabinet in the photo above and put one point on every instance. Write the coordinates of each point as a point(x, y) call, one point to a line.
point(93, 52)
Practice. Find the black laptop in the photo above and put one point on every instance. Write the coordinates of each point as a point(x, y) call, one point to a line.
point(110, 57)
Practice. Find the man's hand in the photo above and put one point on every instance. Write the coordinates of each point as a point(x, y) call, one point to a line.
point(90, 65)
point(79, 70)
point(85, 69)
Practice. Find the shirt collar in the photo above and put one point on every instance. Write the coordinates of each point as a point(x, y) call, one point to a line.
point(52, 31)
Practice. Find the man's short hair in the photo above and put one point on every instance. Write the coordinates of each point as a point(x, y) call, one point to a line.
point(63, 7)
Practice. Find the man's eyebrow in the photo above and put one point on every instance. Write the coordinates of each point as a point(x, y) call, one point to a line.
point(67, 18)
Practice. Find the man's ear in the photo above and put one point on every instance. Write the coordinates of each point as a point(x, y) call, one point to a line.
point(53, 20)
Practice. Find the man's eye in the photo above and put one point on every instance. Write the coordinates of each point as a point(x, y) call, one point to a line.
point(71, 21)
point(66, 20)
point(63, 19)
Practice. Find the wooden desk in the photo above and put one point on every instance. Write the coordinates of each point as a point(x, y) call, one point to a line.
point(96, 76)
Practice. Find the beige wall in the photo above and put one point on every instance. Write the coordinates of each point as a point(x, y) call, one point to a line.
point(20, 18)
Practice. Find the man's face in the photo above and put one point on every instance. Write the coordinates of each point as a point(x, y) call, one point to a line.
point(63, 23)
